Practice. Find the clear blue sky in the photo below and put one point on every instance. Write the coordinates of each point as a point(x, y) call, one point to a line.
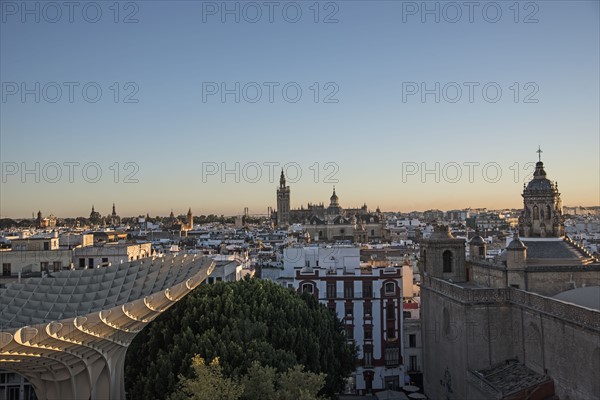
point(372, 57)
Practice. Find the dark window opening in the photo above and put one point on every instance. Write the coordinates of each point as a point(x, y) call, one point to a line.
point(447, 260)
point(412, 340)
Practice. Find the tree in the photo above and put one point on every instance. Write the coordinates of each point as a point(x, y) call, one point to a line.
point(259, 383)
point(207, 384)
point(239, 322)
point(296, 384)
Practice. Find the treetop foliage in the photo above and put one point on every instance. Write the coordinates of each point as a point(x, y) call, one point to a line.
point(240, 323)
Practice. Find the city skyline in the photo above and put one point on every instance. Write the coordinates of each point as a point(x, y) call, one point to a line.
point(145, 106)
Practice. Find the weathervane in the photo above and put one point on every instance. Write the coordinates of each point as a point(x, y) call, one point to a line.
point(539, 151)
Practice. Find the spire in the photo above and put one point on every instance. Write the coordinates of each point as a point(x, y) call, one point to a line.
point(92, 208)
point(190, 211)
point(282, 179)
point(114, 212)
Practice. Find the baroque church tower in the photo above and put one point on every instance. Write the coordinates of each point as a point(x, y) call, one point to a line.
point(283, 202)
point(542, 207)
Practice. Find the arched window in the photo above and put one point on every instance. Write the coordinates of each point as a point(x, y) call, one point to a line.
point(307, 288)
point(390, 288)
point(447, 258)
point(548, 212)
point(536, 212)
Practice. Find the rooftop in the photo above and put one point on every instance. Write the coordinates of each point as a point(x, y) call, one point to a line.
point(511, 376)
point(555, 248)
point(586, 297)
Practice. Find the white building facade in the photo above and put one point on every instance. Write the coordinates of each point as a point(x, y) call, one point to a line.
point(367, 300)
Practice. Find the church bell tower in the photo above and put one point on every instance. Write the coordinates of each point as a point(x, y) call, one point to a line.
point(283, 202)
point(542, 206)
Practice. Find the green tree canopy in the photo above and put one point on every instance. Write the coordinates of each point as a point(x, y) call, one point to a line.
point(239, 322)
point(259, 383)
point(208, 383)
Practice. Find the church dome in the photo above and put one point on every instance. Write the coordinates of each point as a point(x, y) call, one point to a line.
point(516, 244)
point(477, 241)
point(539, 181)
point(333, 198)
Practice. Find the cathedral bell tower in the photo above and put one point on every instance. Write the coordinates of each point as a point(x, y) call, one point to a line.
point(190, 219)
point(542, 207)
point(283, 202)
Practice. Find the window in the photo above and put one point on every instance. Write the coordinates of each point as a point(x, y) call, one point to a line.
point(44, 266)
point(392, 382)
point(349, 309)
point(447, 260)
point(391, 332)
point(390, 288)
point(372, 232)
point(368, 333)
point(368, 307)
point(82, 263)
point(536, 212)
point(412, 366)
point(412, 340)
point(211, 280)
point(390, 314)
point(349, 290)
point(46, 245)
point(56, 266)
point(331, 308)
point(367, 289)
point(392, 356)
point(6, 271)
point(307, 288)
point(331, 290)
point(406, 314)
point(350, 333)
point(368, 356)
point(425, 260)
point(91, 262)
point(105, 260)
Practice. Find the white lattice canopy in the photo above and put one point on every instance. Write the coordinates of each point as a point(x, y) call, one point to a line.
point(68, 333)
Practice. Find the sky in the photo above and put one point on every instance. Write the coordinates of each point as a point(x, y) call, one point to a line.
point(157, 105)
